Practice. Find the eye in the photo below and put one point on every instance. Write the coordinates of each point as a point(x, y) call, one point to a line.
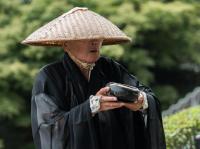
point(94, 42)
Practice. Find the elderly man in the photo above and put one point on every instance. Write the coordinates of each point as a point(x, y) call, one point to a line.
point(70, 105)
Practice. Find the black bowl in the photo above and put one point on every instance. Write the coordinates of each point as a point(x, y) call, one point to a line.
point(123, 92)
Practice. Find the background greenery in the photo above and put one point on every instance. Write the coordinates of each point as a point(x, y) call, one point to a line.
point(181, 128)
point(164, 53)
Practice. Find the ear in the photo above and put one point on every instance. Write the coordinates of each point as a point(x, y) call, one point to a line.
point(65, 46)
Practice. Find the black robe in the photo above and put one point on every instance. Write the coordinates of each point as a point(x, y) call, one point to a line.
point(62, 119)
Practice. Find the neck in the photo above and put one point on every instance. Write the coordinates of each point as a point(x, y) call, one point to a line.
point(85, 68)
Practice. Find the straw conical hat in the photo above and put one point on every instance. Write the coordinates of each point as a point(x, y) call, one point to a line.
point(77, 24)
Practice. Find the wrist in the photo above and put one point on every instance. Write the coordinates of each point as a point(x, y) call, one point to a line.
point(94, 104)
point(145, 102)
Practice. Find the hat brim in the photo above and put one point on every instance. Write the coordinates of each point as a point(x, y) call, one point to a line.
point(61, 42)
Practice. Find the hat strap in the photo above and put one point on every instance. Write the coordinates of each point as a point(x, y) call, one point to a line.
point(83, 65)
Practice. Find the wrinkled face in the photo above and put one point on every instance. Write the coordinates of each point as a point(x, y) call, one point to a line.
point(87, 51)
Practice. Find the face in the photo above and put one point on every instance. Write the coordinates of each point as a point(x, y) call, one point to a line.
point(87, 51)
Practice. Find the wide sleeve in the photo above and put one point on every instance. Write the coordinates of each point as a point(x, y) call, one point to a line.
point(154, 124)
point(51, 122)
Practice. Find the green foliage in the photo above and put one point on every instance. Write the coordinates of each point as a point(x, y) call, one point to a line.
point(162, 90)
point(181, 128)
point(1, 144)
point(116, 53)
point(10, 105)
point(164, 52)
point(172, 23)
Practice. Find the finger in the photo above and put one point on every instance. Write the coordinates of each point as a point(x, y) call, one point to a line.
point(103, 91)
point(141, 95)
point(132, 107)
point(130, 104)
point(141, 99)
point(108, 98)
point(109, 107)
point(135, 101)
point(112, 104)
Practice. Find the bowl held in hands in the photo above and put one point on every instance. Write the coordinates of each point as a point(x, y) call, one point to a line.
point(123, 92)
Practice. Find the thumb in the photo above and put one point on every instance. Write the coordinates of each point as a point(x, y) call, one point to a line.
point(103, 91)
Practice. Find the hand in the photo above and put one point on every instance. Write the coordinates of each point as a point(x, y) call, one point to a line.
point(135, 106)
point(108, 102)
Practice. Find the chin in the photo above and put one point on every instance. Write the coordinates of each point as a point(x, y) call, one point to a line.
point(92, 60)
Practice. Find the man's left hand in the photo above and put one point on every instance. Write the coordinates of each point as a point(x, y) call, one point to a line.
point(135, 106)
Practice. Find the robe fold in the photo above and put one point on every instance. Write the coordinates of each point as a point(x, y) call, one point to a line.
point(61, 116)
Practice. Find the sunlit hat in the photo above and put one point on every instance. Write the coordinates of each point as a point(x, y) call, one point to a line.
point(77, 24)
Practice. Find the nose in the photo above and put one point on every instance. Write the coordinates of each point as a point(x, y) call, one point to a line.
point(95, 43)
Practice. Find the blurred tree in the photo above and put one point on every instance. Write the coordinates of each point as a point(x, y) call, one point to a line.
point(164, 53)
point(181, 128)
point(165, 48)
point(1, 144)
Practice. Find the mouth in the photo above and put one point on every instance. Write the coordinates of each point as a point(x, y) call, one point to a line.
point(94, 50)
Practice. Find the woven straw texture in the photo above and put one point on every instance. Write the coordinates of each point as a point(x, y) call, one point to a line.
point(77, 24)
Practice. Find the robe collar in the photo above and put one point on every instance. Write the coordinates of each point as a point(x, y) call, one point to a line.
point(82, 65)
point(72, 69)
point(73, 72)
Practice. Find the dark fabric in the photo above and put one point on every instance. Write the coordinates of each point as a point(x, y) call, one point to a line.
point(62, 119)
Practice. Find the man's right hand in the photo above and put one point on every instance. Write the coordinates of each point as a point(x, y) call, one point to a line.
point(108, 102)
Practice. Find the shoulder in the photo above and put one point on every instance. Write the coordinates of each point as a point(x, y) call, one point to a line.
point(52, 68)
point(110, 64)
point(53, 71)
point(48, 76)
point(103, 60)
point(110, 68)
